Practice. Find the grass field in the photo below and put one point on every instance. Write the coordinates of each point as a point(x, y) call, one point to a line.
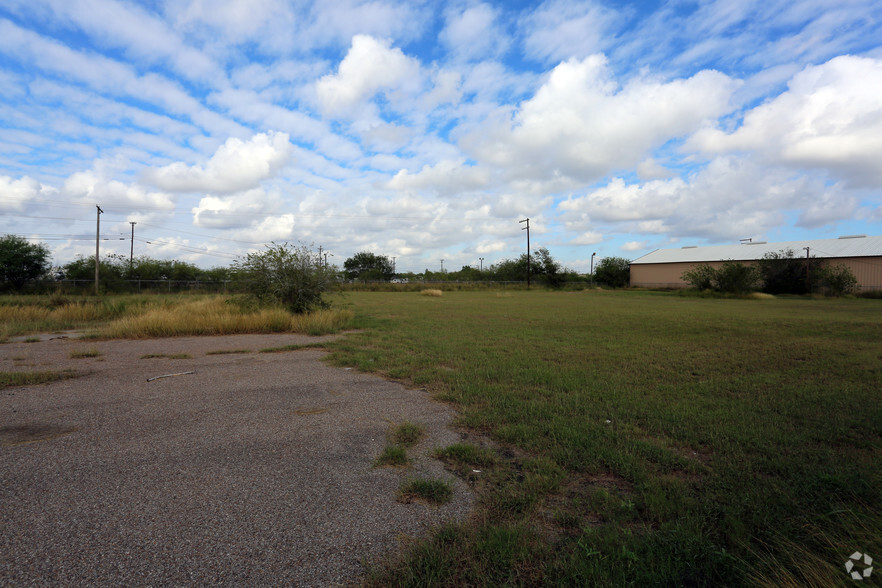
point(642, 438)
point(639, 438)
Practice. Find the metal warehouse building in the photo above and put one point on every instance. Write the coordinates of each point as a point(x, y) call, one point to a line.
point(663, 267)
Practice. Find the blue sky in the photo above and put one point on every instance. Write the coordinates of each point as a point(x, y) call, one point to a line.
point(427, 130)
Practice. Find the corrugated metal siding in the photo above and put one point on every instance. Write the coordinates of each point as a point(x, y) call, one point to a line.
point(821, 248)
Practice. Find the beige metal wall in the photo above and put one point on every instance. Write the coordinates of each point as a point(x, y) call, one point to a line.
point(867, 270)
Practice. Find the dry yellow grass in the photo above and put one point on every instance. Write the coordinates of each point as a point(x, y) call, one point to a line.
point(215, 316)
point(431, 292)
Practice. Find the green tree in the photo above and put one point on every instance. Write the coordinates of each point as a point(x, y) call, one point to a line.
point(294, 277)
point(21, 260)
point(368, 266)
point(614, 272)
point(783, 272)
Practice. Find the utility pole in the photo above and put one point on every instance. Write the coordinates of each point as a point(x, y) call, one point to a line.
point(592, 266)
point(808, 284)
point(393, 264)
point(442, 266)
point(482, 263)
point(132, 251)
point(97, 237)
point(527, 228)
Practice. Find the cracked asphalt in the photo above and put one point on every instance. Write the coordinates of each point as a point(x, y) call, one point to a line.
point(255, 469)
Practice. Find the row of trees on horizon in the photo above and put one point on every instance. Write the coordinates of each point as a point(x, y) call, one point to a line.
point(22, 261)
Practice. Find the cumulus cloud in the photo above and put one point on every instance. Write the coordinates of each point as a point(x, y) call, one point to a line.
point(236, 166)
point(830, 117)
point(235, 210)
point(93, 186)
point(16, 194)
point(371, 66)
point(581, 125)
point(445, 177)
point(730, 198)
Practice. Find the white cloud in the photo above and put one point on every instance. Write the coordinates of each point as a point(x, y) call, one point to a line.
point(581, 125)
point(561, 29)
point(16, 194)
point(94, 187)
point(235, 210)
point(634, 246)
point(371, 66)
point(445, 177)
point(830, 117)
point(236, 166)
point(651, 169)
point(141, 34)
point(473, 33)
point(730, 198)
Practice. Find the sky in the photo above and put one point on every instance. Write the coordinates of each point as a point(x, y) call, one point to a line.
point(426, 131)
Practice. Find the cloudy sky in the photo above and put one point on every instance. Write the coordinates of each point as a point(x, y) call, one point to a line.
point(426, 130)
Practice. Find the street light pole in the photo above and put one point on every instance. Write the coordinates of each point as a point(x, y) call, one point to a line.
point(482, 263)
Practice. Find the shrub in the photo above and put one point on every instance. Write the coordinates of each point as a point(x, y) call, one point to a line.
point(736, 278)
point(838, 280)
point(700, 277)
point(293, 277)
point(732, 277)
point(615, 272)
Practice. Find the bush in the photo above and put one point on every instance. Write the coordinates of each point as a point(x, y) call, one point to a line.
point(838, 280)
point(736, 278)
point(293, 277)
point(700, 277)
point(732, 277)
point(615, 272)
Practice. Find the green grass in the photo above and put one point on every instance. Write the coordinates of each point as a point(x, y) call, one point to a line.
point(425, 489)
point(13, 379)
point(227, 351)
point(407, 434)
point(292, 347)
point(644, 437)
point(393, 455)
point(167, 356)
point(85, 353)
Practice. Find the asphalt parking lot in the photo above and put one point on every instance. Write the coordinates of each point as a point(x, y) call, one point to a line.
point(254, 469)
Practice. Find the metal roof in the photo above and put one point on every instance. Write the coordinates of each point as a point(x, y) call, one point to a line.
point(850, 246)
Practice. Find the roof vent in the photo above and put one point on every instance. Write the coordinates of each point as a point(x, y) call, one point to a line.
point(689, 247)
point(853, 237)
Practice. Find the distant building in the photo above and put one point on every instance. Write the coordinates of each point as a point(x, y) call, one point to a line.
point(663, 268)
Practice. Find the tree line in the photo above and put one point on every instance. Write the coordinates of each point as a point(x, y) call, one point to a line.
point(22, 261)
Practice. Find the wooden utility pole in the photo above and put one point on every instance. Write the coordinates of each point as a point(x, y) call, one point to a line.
point(97, 237)
point(527, 228)
point(132, 251)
